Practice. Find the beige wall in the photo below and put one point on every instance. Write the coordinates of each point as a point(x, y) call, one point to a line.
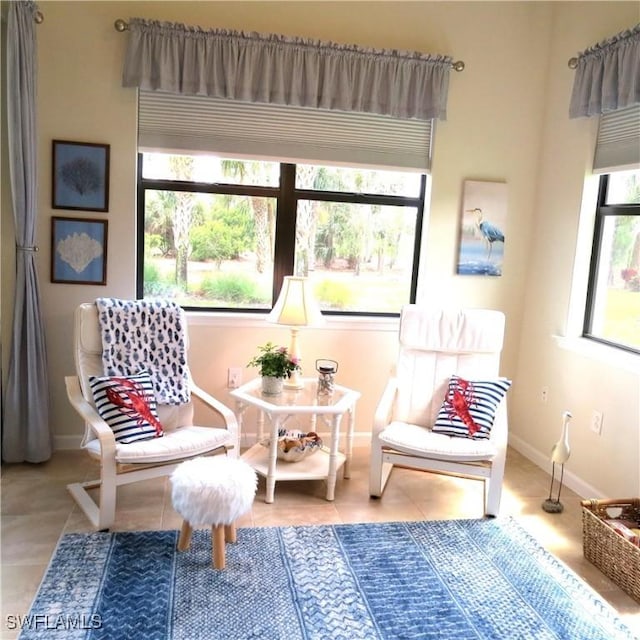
point(506, 121)
point(577, 382)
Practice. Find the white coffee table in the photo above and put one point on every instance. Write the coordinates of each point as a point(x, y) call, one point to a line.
point(322, 465)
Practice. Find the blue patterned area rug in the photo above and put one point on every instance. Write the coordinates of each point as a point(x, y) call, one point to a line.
point(452, 580)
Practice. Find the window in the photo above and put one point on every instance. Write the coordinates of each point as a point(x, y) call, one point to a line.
point(613, 298)
point(222, 233)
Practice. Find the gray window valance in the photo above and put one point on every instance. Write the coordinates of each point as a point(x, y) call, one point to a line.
point(607, 76)
point(275, 69)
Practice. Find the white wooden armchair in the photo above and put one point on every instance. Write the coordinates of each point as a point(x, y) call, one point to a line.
point(127, 463)
point(434, 345)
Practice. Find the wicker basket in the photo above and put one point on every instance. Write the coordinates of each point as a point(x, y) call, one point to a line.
point(615, 556)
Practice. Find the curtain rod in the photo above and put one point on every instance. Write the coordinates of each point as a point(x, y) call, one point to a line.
point(121, 25)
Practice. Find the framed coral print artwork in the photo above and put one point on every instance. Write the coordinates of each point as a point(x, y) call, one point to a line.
point(78, 250)
point(80, 176)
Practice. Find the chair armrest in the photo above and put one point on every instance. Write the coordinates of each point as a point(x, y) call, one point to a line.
point(220, 408)
point(87, 412)
point(384, 410)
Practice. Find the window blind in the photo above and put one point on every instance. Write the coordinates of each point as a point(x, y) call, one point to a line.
point(618, 143)
point(186, 123)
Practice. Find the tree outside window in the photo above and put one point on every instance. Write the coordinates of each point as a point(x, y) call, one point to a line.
point(613, 300)
point(221, 233)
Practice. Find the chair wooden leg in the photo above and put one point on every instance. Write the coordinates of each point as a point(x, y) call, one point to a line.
point(217, 544)
point(493, 493)
point(379, 472)
point(493, 486)
point(108, 489)
point(184, 541)
point(230, 532)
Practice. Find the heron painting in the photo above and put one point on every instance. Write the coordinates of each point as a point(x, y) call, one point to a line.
point(482, 228)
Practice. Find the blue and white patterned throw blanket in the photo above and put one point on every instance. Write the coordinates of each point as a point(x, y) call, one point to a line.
point(146, 334)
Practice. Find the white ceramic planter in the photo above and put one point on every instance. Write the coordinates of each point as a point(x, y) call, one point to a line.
point(272, 386)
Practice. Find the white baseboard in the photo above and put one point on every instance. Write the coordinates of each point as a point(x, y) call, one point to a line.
point(570, 480)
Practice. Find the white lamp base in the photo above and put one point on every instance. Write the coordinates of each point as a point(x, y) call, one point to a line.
point(294, 381)
point(292, 384)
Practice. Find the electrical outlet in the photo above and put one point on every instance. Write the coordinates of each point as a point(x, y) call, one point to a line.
point(544, 395)
point(596, 422)
point(234, 377)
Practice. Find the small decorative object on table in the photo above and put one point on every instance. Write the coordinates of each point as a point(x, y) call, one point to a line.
point(326, 376)
point(294, 445)
point(274, 362)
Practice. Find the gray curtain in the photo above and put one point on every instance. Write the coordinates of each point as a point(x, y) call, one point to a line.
point(26, 435)
point(607, 76)
point(276, 69)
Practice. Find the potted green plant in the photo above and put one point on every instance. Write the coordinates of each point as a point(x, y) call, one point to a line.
point(275, 364)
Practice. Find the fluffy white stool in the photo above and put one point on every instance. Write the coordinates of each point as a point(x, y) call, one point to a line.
point(212, 491)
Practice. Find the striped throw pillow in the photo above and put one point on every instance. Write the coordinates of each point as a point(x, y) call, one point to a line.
point(469, 407)
point(128, 405)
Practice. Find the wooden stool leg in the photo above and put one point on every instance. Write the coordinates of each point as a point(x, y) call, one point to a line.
point(184, 541)
point(217, 543)
point(230, 532)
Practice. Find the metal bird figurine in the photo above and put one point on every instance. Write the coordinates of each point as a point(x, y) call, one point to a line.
point(559, 455)
point(489, 232)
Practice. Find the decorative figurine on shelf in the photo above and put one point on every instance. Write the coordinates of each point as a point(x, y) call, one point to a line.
point(559, 455)
point(326, 376)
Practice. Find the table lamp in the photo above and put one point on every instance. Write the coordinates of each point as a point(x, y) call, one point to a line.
point(296, 307)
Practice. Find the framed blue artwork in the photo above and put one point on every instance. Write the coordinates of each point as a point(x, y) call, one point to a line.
point(80, 176)
point(482, 228)
point(78, 250)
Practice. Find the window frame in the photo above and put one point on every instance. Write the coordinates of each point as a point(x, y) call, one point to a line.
point(603, 210)
point(287, 196)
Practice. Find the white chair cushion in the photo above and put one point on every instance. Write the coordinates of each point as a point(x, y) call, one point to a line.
point(416, 440)
point(463, 331)
point(174, 445)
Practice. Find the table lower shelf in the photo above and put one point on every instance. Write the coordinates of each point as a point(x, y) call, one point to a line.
point(315, 467)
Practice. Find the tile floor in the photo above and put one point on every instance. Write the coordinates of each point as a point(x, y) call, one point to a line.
point(36, 509)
